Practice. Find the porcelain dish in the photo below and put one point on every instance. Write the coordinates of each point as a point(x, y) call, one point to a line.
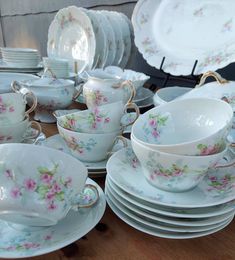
point(183, 32)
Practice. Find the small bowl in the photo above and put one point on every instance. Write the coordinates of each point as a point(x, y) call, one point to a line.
point(39, 185)
point(187, 127)
point(171, 172)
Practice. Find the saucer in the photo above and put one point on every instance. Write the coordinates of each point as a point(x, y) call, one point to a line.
point(194, 214)
point(216, 188)
point(18, 242)
point(157, 232)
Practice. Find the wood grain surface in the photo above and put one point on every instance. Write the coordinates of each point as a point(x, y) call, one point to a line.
point(113, 239)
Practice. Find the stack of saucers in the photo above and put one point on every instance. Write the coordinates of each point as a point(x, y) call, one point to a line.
point(20, 57)
point(59, 67)
point(174, 182)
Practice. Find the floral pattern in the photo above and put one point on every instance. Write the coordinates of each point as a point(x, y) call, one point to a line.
point(96, 98)
point(227, 26)
point(5, 107)
point(94, 119)
point(221, 185)
point(5, 138)
point(229, 98)
point(209, 149)
point(46, 186)
point(78, 145)
point(154, 125)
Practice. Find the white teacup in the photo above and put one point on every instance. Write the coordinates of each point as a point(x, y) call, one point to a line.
point(90, 147)
point(19, 132)
point(175, 173)
point(101, 119)
point(196, 126)
point(13, 105)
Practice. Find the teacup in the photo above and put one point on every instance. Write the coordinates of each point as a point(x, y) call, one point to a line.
point(175, 173)
point(188, 127)
point(19, 132)
point(104, 89)
point(101, 119)
point(90, 147)
point(39, 185)
point(13, 105)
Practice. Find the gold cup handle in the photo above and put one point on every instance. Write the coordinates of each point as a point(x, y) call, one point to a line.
point(213, 74)
point(36, 126)
point(20, 88)
point(118, 138)
point(84, 199)
point(137, 111)
point(31, 95)
point(130, 85)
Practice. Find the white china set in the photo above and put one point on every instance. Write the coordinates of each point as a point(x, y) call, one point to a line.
point(174, 181)
point(90, 39)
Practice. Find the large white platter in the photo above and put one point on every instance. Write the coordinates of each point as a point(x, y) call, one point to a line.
point(183, 31)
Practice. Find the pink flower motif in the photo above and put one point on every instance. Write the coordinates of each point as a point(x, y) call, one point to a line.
point(152, 122)
point(98, 119)
point(94, 125)
point(48, 237)
point(11, 109)
point(50, 195)
point(107, 120)
point(56, 188)
point(52, 206)
point(46, 178)
point(30, 184)
point(105, 99)
point(2, 108)
point(155, 133)
point(15, 193)
point(31, 245)
point(8, 174)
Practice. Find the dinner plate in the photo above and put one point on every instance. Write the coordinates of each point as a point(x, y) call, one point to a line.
point(142, 218)
point(101, 44)
point(185, 31)
point(110, 37)
point(157, 232)
point(183, 219)
point(113, 19)
point(17, 241)
point(71, 36)
point(216, 188)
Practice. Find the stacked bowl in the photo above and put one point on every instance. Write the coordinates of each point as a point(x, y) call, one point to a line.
point(15, 126)
point(170, 183)
point(59, 67)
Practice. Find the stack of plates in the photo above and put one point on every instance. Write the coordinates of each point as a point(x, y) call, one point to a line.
point(59, 67)
point(202, 211)
point(90, 39)
point(20, 57)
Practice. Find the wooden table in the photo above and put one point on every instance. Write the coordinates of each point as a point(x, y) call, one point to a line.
point(113, 239)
